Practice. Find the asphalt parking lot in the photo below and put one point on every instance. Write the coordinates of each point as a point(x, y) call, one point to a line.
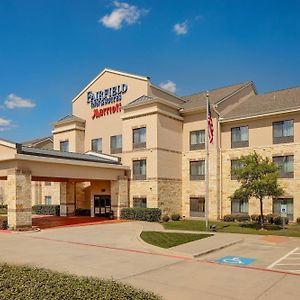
point(114, 251)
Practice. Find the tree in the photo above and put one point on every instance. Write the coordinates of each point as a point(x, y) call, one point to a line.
point(258, 178)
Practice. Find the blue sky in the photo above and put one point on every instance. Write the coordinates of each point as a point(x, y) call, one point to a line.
point(50, 49)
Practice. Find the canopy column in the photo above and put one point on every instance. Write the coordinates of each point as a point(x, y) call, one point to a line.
point(67, 199)
point(18, 195)
point(119, 194)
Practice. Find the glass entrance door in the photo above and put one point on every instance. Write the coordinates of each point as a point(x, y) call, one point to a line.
point(102, 205)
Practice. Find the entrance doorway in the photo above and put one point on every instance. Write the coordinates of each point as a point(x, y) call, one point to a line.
point(102, 205)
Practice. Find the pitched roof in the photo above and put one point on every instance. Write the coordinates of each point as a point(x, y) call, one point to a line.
point(36, 141)
point(68, 118)
point(198, 100)
point(141, 99)
point(272, 102)
point(110, 71)
point(21, 149)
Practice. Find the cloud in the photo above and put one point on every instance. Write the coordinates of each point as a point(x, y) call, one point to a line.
point(181, 28)
point(13, 101)
point(169, 86)
point(5, 124)
point(123, 13)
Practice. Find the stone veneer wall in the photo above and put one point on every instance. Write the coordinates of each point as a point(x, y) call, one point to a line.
point(196, 188)
point(290, 185)
point(162, 193)
point(170, 196)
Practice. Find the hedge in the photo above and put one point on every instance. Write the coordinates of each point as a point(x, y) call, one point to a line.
point(3, 209)
point(82, 212)
point(236, 217)
point(53, 210)
point(3, 222)
point(21, 282)
point(141, 214)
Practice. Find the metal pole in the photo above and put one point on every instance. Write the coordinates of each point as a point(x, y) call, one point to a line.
point(206, 166)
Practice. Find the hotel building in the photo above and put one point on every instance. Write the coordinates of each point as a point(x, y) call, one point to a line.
point(149, 148)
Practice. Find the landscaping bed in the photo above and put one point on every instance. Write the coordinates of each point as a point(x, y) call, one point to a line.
point(170, 239)
point(21, 282)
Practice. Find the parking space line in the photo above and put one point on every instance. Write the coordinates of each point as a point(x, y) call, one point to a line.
point(282, 258)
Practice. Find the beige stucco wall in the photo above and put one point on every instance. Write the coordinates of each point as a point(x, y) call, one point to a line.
point(109, 125)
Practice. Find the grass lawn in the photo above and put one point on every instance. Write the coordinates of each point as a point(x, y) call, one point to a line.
point(232, 227)
point(19, 283)
point(170, 239)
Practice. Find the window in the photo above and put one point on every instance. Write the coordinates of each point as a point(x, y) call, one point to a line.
point(139, 202)
point(139, 137)
point(48, 200)
point(116, 144)
point(239, 137)
point(64, 146)
point(96, 145)
point(48, 183)
point(235, 164)
point(285, 165)
point(139, 169)
point(197, 206)
point(197, 170)
point(239, 206)
point(287, 203)
point(197, 140)
point(283, 132)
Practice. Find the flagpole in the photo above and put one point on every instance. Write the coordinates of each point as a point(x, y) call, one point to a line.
point(206, 165)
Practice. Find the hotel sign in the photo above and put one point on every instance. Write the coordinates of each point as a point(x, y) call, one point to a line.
point(107, 101)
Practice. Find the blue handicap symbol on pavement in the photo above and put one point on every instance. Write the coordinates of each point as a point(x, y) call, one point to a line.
point(236, 260)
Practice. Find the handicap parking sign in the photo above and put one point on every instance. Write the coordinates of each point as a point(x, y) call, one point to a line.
point(236, 260)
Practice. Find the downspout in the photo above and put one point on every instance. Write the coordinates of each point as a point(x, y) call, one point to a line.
point(219, 149)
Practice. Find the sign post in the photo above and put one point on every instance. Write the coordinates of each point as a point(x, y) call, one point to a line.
point(283, 214)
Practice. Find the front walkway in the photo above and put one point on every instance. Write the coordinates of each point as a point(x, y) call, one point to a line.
point(47, 222)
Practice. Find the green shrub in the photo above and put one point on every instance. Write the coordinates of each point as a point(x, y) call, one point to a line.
point(175, 217)
point(3, 222)
point(3, 209)
point(256, 218)
point(272, 227)
point(18, 282)
point(53, 210)
point(241, 217)
point(141, 214)
point(82, 212)
point(279, 221)
point(165, 218)
point(228, 218)
point(271, 217)
point(298, 220)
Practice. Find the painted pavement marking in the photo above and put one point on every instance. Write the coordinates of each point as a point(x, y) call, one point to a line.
point(287, 263)
point(236, 260)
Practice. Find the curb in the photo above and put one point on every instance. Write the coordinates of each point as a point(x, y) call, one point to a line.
point(217, 248)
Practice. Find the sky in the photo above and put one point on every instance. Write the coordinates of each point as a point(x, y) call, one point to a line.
point(51, 49)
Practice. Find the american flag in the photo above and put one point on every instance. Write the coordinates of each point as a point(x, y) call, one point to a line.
point(210, 123)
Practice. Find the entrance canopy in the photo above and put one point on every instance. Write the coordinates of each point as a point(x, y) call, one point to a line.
point(57, 165)
point(19, 165)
